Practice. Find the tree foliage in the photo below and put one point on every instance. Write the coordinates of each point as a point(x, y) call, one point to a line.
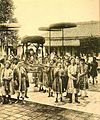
point(7, 16)
point(6, 10)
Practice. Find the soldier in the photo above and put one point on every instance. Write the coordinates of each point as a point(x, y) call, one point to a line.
point(6, 81)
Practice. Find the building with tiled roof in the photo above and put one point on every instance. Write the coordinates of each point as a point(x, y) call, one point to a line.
point(78, 39)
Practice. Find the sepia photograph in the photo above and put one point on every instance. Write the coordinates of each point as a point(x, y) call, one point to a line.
point(49, 59)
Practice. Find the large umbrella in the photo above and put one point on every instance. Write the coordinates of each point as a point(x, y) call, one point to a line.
point(62, 26)
point(33, 39)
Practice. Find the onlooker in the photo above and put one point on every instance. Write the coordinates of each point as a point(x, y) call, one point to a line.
point(93, 70)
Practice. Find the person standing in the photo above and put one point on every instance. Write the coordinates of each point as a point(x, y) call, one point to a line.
point(50, 75)
point(93, 70)
point(44, 82)
point(6, 80)
point(66, 76)
point(59, 73)
point(72, 82)
point(22, 82)
point(83, 78)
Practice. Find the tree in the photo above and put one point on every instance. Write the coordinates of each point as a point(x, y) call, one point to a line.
point(7, 16)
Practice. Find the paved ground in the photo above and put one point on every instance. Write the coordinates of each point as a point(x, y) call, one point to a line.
point(90, 104)
point(96, 87)
point(34, 111)
point(40, 107)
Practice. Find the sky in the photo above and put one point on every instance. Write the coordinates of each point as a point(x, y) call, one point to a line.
point(32, 14)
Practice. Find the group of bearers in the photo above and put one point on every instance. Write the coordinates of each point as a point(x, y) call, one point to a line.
point(14, 79)
point(70, 76)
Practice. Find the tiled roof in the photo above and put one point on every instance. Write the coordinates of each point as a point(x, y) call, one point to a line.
point(66, 43)
point(91, 28)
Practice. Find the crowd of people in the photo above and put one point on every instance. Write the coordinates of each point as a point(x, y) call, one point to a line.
point(13, 80)
point(53, 74)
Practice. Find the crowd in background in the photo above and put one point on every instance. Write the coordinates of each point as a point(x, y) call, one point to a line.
point(53, 74)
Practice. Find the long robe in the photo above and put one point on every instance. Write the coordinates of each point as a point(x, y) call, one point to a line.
point(20, 79)
point(72, 81)
point(83, 80)
point(58, 81)
point(93, 67)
